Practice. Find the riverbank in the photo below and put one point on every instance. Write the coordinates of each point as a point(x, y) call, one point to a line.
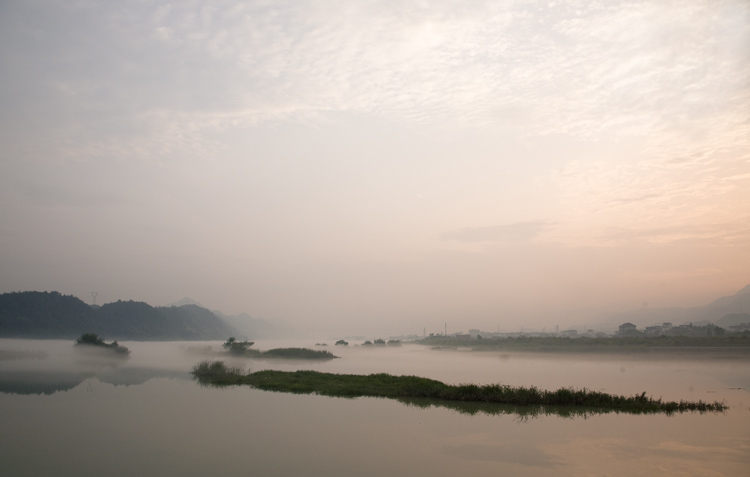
point(734, 345)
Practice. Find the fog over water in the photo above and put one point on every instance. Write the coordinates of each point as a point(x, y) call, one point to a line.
point(146, 416)
point(373, 169)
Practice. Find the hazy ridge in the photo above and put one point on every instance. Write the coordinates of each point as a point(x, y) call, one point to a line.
point(718, 312)
point(52, 315)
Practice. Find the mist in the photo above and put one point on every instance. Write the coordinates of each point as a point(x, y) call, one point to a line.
point(378, 169)
point(146, 414)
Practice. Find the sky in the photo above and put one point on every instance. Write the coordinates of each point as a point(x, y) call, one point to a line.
point(378, 166)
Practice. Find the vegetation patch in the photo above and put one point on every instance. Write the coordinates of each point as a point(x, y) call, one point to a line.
point(207, 370)
point(239, 348)
point(242, 349)
point(297, 353)
point(93, 340)
point(409, 388)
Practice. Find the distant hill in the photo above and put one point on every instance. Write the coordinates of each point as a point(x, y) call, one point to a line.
point(52, 315)
point(185, 301)
point(733, 319)
point(250, 327)
point(738, 303)
point(44, 315)
point(258, 328)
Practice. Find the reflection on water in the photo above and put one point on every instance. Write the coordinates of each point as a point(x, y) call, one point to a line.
point(146, 416)
point(49, 382)
point(68, 368)
point(40, 382)
point(521, 412)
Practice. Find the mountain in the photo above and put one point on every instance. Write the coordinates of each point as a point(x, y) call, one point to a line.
point(52, 315)
point(44, 315)
point(737, 303)
point(712, 313)
point(733, 319)
point(185, 301)
point(250, 327)
point(258, 328)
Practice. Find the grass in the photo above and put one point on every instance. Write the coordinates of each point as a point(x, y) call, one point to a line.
point(242, 349)
point(282, 353)
point(297, 353)
point(410, 388)
point(214, 370)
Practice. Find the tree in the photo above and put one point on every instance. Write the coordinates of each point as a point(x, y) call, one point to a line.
point(92, 339)
point(342, 343)
point(237, 347)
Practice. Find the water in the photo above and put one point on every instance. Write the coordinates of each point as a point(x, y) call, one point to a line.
point(66, 415)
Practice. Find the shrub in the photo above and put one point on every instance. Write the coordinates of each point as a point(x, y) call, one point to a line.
point(237, 347)
point(92, 339)
point(215, 369)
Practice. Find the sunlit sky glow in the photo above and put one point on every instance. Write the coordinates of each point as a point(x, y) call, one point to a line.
point(378, 166)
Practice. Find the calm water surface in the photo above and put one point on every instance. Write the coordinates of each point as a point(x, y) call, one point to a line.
point(66, 414)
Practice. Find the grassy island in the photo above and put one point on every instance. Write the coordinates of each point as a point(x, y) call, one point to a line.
point(243, 349)
point(93, 341)
point(297, 353)
point(411, 389)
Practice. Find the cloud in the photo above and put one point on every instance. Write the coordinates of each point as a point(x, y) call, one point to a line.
point(516, 232)
point(729, 233)
point(612, 70)
point(302, 129)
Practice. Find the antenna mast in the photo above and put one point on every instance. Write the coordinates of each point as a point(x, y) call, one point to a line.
point(93, 295)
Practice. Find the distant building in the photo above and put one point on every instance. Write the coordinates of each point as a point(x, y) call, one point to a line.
point(658, 330)
point(569, 333)
point(627, 329)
